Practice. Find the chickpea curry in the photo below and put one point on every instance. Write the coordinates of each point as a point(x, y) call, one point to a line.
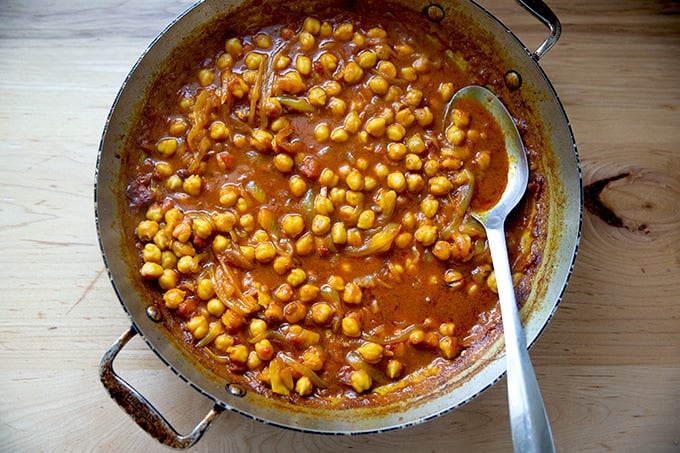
point(301, 209)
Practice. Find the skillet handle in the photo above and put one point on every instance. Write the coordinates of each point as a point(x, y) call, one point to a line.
point(147, 417)
point(546, 15)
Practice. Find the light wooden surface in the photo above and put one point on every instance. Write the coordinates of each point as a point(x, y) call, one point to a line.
point(608, 365)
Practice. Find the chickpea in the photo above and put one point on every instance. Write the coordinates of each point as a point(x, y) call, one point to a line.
point(151, 271)
point(328, 178)
point(431, 167)
point(352, 122)
point(344, 31)
point(352, 294)
point(413, 162)
point(273, 313)
point(376, 126)
point(218, 130)
point(198, 326)
point(415, 144)
point(337, 106)
point(305, 244)
point(461, 118)
point(446, 91)
point(303, 64)
point(163, 240)
point(359, 39)
point(291, 82)
point(284, 292)
point(396, 132)
point(202, 227)
point(414, 182)
point(405, 117)
point(383, 51)
point(264, 349)
point(338, 194)
point(284, 163)
point(187, 265)
point(223, 342)
point(338, 233)
point(388, 69)
point(482, 160)
point(409, 74)
point(461, 246)
point(234, 47)
point(396, 151)
point(311, 25)
point(247, 222)
point(204, 289)
point(253, 362)
point(454, 278)
point(355, 180)
point(366, 219)
point(167, 147)
point(282, 62)
point(449, 347)
point(254, 60)
point(215, 307)
point(265, 252)
point(317, 97)
point(396, 181)
point(322, 313)
point(326, 30)
point(282, 264)
point(352, 73)
point(297, 185)
point(147, 229)
point(350, 327)
point(173, 298)
point(429, 206)
point(455, 135)
point(206, 77)
point(442, 250)
point(296, 277)
point(394, 369)
point(329, 62)
point(367, 59)
point(361, 381)
point(424, 116)
point(371, 352)
point(426, 234)
point(168, 280)
point(321, 224)
point(225, 61)
point(440, 185)
point(333, 88)
point(322, 132)
point(177, 127)
point(238, 354)
point(182, 232)
point(339, 135)
point(378, 85)
point(294, 312)
point(292, 224)
point(323, 205)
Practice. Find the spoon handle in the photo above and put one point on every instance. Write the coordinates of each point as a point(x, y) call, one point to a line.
point(528, 420)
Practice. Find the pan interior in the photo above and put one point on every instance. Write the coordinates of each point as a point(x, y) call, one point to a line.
point(484, 367)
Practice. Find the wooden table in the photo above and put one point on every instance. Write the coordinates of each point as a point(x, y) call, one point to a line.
point(608, 365)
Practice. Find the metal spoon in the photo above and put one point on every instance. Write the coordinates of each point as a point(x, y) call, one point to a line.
point(528, 420)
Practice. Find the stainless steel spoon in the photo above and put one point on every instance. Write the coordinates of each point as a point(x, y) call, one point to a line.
point(528, 420)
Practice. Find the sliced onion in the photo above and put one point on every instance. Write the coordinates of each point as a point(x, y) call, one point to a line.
point(303, 370)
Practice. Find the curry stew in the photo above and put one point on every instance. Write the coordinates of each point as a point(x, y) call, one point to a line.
point(302, 211)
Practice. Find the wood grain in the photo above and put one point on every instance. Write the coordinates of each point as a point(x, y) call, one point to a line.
point(608, 365)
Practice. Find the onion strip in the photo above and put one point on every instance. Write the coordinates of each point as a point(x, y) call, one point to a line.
point(303, 370)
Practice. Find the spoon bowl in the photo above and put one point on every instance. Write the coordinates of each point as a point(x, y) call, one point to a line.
point(528, 419)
